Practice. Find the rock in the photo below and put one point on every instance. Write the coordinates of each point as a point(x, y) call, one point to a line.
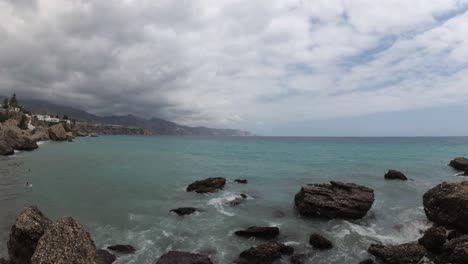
point(40, 134)
point(395, 175)
point(207, 185)
point(465, 173)
point(447, 205)
point(334, 200)
point(66, 241)
point(455, 251)
point(258, 231)
point(5, 148)
point(179, 257)
point(123, 249)
point(459, 254)
point(434, 239)
point(409, 253)
point(454, 234)
point(298, 259)
point(29, 227)
point(367, 261)
point(186, 210)
point(80, 133)
point(93, 135)
point(106, 256)
point(70, 136)
point(264, 253)
point(320, 242)
point(243, 181)
point(459, 163)
point(14, 138)
point(238, 200)
point(57, 133)
point(4, 261)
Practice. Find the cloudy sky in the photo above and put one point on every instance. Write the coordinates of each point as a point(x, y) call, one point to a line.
point(323, 67)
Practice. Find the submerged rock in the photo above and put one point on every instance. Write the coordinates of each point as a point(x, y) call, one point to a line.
point(447, 205)
point(264, 253)
point(434, 239)
point(66, 241)
point(186, 210)
point(207, 185)
point(259, 231)
point(395, 175)
point(409, 253)
point(334, 200)
point(123, 249)
point(29, 227)
point(298, 259)
point(242, 181)
point(320, 242)
point(179, 257)
point(106, 256)
point(459, 163)
point(57, 133)
point(238, 200)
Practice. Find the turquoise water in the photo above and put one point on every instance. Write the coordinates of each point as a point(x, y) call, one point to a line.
point(122, 188)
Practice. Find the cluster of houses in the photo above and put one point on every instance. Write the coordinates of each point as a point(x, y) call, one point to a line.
point(47, 118)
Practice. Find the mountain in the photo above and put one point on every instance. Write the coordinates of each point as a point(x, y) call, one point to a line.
point(157, 125)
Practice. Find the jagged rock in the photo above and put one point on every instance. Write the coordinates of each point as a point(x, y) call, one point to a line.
point(123, 249)
point(207, 185)
point(29, 227)
point(40, 134)
point(258, 231)
point(238, 200)
point(298, 259)
point(179, 257)
point(434, 239)
point(409, 253)
point(447, 205)
point(367, 261)
point(106, 256)
point(264, 253)
point(5, 148)
point(395, 175)
point(454, 234)
point(4, 261)
point(57, 133)
point(80, 133)
point(243, 181)
point(70, 136)
point(334, 200)
point(455, 251)
point(14, 138)
point(66, 241)
point(459, 163)
point(186, 210)
point(320, 242)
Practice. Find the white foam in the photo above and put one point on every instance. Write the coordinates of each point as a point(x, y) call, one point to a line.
point(39, 143)
point(220, 202)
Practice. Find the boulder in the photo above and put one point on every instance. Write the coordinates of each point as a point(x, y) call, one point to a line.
point(106, 256)
point(123, 249)
point(454, 251)
point(409, 253)
point(29, 227)
point(434, 239)
point(447, 205)
point(459, 163)
point(320, 242)
point(4, 261)
point(367, 261)
point(40, 134)
point(334, 200)
point(264, 253)
point(395, 175)
point(186, 210)
point(298, 259)
point(57, 133)
point(66, 241)
point(179, 257)
point(207, 185)
point(14, 138)
point(259, 231)
point(243, 181)
point(5, 148)
point(70, 136)
point(237, 201)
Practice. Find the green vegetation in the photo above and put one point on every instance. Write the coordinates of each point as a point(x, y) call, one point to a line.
point(14, 101)
point(23, 124)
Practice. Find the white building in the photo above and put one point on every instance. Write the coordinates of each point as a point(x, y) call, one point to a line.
point(47, 118)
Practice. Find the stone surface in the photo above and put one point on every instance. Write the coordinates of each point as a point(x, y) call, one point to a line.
point(259, 231)
point(11, 137)
point(434, 239)
point(179, 257)
point(243, 181)
point(409, 253)
point(334, 200)
point(320, 242)
point(123, 249)
point(106, 257)
point(395, 175)
point(186, 210)
point(207, 185)
point(40, 134)
point(459, 163)
point(236, 201)
point(367, 261)
point(264, 253)
point(298, 259)
point(57, 133)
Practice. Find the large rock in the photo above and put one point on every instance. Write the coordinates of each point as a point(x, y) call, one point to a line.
point(454, 251)
point(395, 175)
point(434, 239)
point(179, 257)
point(186, 210)
point(66, 241)
point(334, 200)
point(264, 253)
point(259, 231)
point(447, 205)
point(29, 227)
point(459, 163)
point(207, 185)
point(14, 138)
point(57, 133)
point(409, 253)
point(123, 249)
point(106, 256)
point(5, 148)
point(40, 134)
point(320, 242)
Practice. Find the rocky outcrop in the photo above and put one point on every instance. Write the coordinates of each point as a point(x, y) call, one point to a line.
point(180, 257)
point(409, 253)
point(29, 227)
point(11, 137)
point(434, 239)
point(106, 257)
point(259, 232)
point(66, 241)
point(5, 148)
point(459, 163)
point(454, 251)
point(40, 134)
point(298, 259)
point(334, 200)
point(395, 175)
point(320, 242)
point(58, 133)
point(186, 210)
point(367, 261)
point(207, 185)
point(447, 205)
point(122, 249)
point(242, 181)
point(264, 253)
point(236, 201)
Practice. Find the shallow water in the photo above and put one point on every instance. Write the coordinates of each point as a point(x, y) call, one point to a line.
point(122, 188)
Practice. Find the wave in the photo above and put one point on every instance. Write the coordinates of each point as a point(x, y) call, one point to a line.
point(221, 202)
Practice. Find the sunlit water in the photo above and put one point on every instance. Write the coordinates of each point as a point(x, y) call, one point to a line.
point(122, 188)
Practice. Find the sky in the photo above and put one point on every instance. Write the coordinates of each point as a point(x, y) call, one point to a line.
point(273, 67)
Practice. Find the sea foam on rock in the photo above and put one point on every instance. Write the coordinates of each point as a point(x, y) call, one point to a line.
point(207, 185)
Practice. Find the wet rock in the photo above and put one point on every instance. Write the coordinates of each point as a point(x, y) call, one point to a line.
point(409, 253)
point(29, 227)
point(320, 242)
point(243, 181)
point(66, 241)
point(4, 261)
point(236, 201)
point(298, 259)
point(447, 205)
point(455, 251)
point(179, 257)
point(434, 239)
point(186, 210)
point(259, 232)
point(123, 249)
point(264, 253)
point(58, 133)
point(454, 234)
point(106, 256)
point(334, 200)
point(367, 261)
point(207, 185)
point(459, 163)
point(395, 175)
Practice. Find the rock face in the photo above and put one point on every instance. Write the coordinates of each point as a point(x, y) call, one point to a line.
point(434, 239)
point(123, 249)
point(395, 175)
point(334, 200)
point(298, 259)
point(40, 134)
point(11, 137)
point(29, 227)
point(207, 185)
point(186, 210)
point(66, 241)
point(454, 251)
point(320, 242)
point(57, 133)
point(179, 257)
point(5, 148)
point(409, 253)
point(260, 232)
point(264, 253)
point(459, 163)
point(106, 256)
point(447, 205)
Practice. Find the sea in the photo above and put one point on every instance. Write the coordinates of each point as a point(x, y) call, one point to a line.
point(122, 188)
